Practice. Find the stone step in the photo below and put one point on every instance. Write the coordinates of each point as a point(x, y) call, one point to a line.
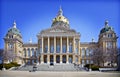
point(47, 67)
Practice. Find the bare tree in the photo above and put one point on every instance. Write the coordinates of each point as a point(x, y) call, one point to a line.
point(98, 56)
point(1, 55)
point(112, 55)
point(8, 55)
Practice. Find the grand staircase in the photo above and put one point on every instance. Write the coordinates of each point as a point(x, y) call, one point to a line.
point(47, 67)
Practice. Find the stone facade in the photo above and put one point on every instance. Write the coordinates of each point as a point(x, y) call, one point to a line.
point(57, 44)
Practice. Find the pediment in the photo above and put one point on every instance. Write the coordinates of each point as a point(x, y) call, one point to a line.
point(58, 29)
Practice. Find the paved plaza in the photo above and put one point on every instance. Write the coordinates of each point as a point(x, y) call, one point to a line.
point(56, 74)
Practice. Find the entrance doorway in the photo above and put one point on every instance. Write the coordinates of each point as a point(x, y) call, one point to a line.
point(70, 59)
point(58, 59)
point(51, 60)
point(45, 58)
point(64, 59)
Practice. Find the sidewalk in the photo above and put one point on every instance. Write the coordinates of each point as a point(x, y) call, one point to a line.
point(56, 74)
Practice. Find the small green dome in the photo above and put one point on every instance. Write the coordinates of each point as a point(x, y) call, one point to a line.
point(106, 28)
point(14, 31)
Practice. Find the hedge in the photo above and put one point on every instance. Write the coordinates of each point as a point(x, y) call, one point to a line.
point(93, 67)
point(9, 65)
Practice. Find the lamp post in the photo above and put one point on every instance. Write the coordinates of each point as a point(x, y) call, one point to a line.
point(90, 57)
point(90, 63)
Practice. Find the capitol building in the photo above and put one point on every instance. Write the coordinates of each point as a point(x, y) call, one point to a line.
point(57, 45)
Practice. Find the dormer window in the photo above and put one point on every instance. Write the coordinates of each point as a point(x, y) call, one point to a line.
point(109, 35)
point(10, 45)
point(109, 45)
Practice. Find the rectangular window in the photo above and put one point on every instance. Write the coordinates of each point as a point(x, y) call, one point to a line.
point(109, 45)
point(46, 49)
point(64, 49)
point(70, 49)
point(52, 49)
point(87, 52)
point(83, 61)
point(87, 61)
point(58, 49)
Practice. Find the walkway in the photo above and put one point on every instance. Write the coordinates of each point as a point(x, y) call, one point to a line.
point(56, 74)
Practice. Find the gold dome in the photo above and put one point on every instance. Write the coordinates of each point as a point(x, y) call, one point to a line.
point(60, 17)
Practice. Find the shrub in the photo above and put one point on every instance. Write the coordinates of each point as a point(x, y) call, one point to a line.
point(1, 66)
point(15, 64)
point(93, 67)
point(9, 65)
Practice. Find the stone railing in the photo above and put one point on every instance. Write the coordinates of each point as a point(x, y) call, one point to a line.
point(107, 69)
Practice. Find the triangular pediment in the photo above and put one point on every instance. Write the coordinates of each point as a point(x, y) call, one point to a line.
point(58, 29)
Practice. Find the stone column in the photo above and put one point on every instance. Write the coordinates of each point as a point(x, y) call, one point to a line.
point(73, 44)
point(67, 61)
point(26, 53)
point(6, 46)
point(67, 45)
point(54, 44)
point(48, 45)
point(54, 59)
point(42, 59)
point(73, 49)
point(48, 59)
point(42, 51)
point(42, 44)
point(60, 59)
point(61, 44)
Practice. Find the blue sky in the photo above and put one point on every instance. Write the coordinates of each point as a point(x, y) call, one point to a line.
point(85, 16)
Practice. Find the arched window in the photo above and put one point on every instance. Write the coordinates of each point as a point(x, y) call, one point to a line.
point(37, 52)
point(32, 52)
point(28, 52)
point(87, 52)
point(83, 52)
point(109, 35)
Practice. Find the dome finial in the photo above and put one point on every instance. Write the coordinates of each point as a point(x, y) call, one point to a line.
point(106, 23)
point(60, 12)
point(14, 24)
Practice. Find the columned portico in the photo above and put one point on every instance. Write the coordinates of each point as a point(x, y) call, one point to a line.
point(66, 55)
point(58, 42)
